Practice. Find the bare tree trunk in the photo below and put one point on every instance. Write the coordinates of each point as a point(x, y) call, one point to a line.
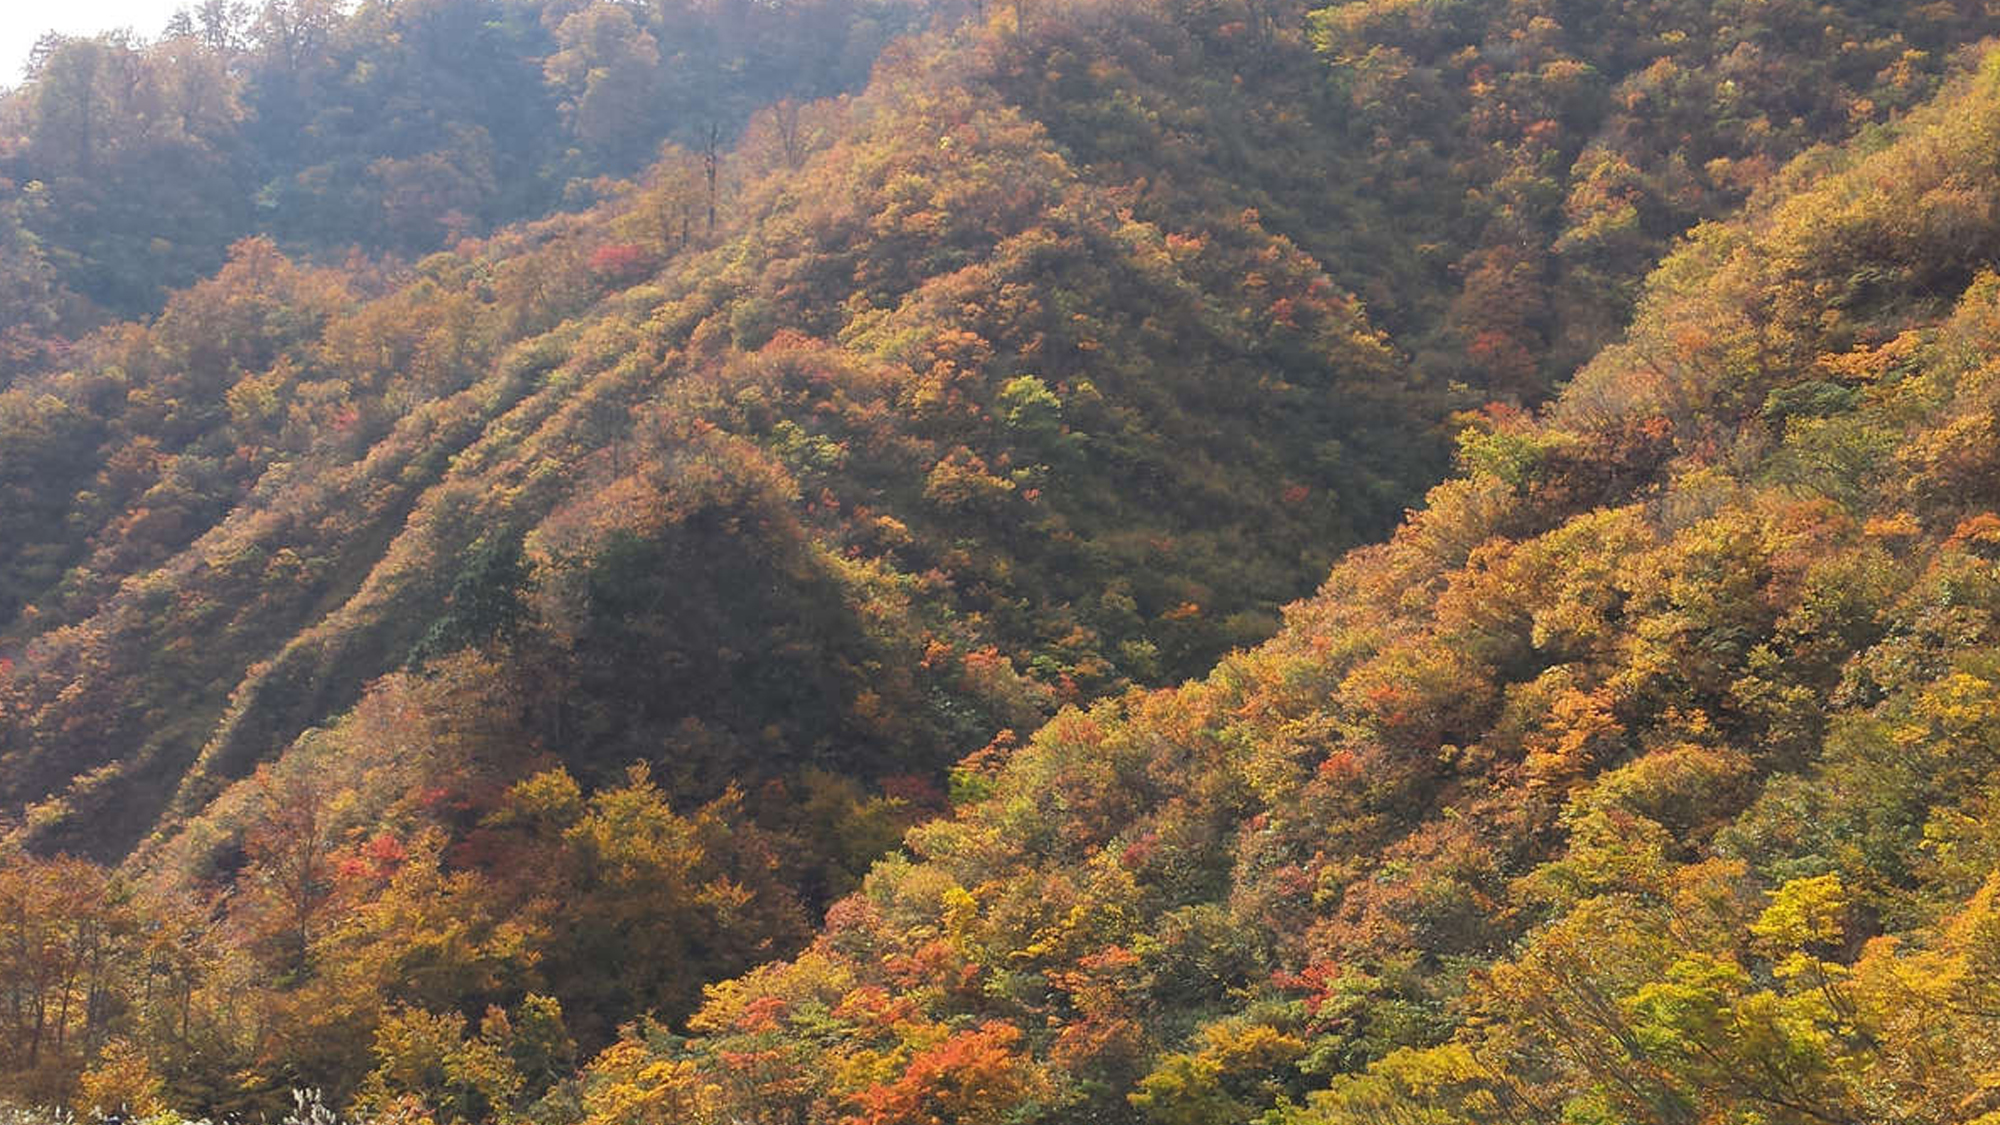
point(710, 161)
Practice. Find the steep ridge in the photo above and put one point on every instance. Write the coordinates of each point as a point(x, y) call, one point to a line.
point(1113, 472)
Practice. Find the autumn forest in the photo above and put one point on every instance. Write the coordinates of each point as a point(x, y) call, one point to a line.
point(1003, 562)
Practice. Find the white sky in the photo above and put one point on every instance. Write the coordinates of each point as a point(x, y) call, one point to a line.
point(23, 21)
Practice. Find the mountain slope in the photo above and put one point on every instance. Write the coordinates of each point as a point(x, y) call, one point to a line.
point(1644, 776)
point(470, 658)
point(119, 466)
point(937, 431)
point(1056, 462)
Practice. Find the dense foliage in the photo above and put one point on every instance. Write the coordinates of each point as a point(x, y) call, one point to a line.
point(496, 679)
point(129, 167)
point(1646, 776)
point(934, 431)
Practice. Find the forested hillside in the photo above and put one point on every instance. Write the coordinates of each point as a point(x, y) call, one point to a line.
point(129, 167)
point(462, 653)
point(1645, 776)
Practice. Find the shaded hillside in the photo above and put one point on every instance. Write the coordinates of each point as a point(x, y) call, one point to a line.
point(392, 127)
